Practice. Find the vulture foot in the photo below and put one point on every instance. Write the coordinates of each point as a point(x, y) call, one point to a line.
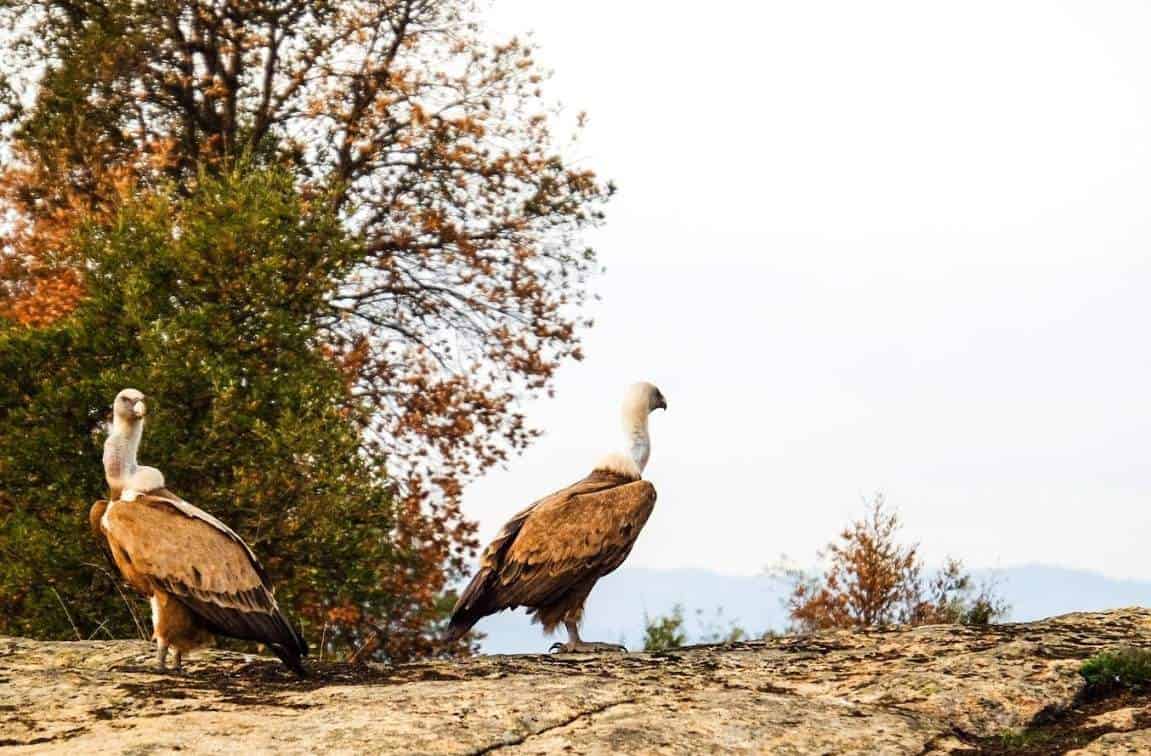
point(162, 660)
point(585, 647)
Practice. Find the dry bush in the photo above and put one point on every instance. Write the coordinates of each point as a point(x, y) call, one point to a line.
point(873, 580)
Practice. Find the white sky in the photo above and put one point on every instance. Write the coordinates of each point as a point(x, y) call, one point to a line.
point(897, 246)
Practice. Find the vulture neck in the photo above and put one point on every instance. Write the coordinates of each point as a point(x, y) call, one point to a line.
point(120, 451)
point(638, 440)
point(638, 444)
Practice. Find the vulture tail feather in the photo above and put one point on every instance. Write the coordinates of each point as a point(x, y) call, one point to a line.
point(268, 627)
point(472, 606)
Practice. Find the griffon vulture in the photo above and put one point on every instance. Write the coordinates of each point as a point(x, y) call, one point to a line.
point(201, 577)
point(549, 556)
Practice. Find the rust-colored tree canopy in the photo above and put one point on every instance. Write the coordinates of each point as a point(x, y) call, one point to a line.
point(434, 146)
point(874, 580)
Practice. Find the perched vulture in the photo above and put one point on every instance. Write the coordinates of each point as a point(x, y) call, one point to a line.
point(549, 556)
point(201, 578)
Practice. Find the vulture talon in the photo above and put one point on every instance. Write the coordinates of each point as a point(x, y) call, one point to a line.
point(590, 647)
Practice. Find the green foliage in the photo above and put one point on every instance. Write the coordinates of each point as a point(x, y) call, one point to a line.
point(210, 304)
point(953, 597)
point(1113, 670)
point(983, 610)
point(1021, 740)
point(670, 631)
point(665, 632)
point(717, 630)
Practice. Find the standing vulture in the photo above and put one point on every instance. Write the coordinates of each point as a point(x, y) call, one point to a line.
point(201, 577)
point(549, 556)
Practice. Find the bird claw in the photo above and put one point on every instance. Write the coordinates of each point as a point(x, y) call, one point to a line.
point(587, 648)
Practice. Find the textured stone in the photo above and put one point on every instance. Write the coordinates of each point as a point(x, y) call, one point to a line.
point(1115, 743)
point(1120, 720)
point(910, 691)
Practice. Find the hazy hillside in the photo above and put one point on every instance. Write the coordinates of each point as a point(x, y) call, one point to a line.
point(1037, 591)
point(615, 611)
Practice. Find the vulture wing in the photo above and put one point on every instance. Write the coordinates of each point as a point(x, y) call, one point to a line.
point(186, 552)
point(94, 516)
point(556, 545)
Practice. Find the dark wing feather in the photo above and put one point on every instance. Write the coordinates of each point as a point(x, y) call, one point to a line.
point(475, 602)
point(557, 545)
point(95, 514)
point(186, 552)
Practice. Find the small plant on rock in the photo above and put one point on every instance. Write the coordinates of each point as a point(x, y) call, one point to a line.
point(665, 632)
point(1126, 668)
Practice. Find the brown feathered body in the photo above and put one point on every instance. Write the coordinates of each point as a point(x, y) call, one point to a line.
point(549, 556)
point(201, 578)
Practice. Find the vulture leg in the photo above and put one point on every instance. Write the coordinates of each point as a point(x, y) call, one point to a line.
point(178, 666)
point(162, 655)
point(577, 646)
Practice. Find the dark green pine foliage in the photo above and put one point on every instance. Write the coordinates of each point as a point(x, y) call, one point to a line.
point(212, 304)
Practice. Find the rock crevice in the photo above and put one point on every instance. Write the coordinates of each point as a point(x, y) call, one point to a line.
point(582, 716)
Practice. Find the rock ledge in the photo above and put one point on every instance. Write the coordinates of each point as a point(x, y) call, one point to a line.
point(939, 689)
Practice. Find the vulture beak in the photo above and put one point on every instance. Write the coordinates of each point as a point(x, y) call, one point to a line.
point(661, 403)
point(139, 408)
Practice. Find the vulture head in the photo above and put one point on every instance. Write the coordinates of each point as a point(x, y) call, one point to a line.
point(641, 399)
point(129, 406)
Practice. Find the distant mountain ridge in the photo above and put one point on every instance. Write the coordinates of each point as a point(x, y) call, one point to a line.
point(713, 601)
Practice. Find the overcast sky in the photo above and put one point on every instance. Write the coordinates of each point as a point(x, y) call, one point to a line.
point(883, 246)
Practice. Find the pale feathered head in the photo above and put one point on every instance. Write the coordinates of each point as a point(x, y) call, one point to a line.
point(641, 399)
point(129, 405)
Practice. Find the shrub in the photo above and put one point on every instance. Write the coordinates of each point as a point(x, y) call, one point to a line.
point(873, 580)
point(1126, 668)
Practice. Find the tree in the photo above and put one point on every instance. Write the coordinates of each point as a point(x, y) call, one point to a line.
point(431, 147)
point(873, 581)
point(213, 302)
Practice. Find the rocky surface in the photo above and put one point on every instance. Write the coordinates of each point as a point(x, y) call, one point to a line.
point(940, 689)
